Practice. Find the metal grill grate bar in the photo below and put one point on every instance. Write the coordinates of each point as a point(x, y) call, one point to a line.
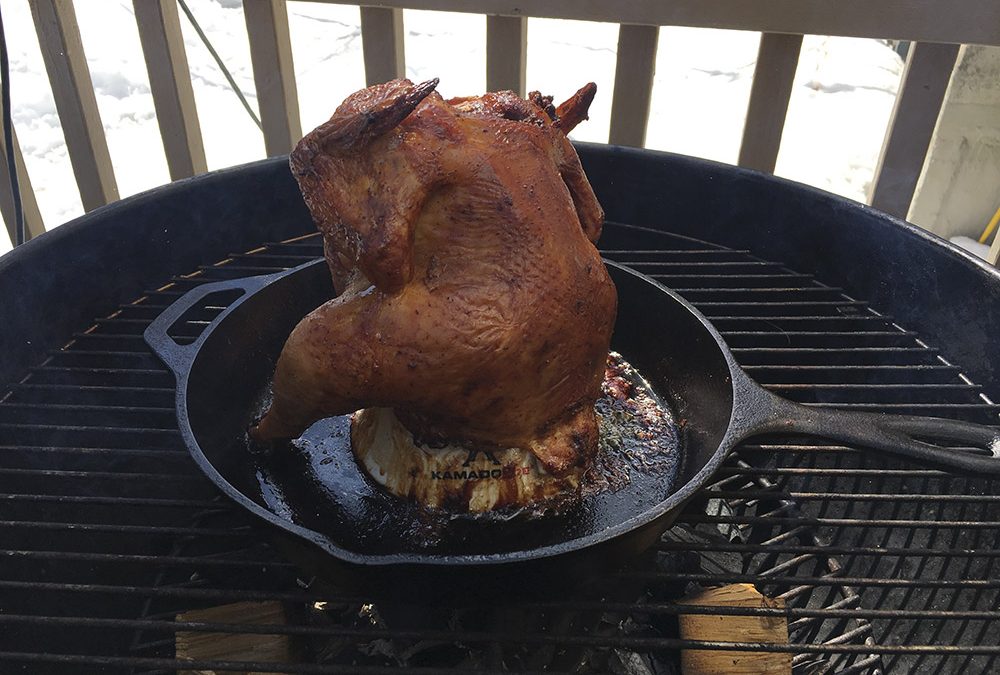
point(109, 501)
point(781, 517)
point(172, 665)
point(101, 376)
point(774, 548)
point(154, 560)
point(169, 454)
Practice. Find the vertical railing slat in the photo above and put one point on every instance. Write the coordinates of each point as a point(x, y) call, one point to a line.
point(33, 224)
point(273, 74)
point(382, 44)
point(506, 53)
point(921, 92)
point(170, 82)
point(634, 73)
point(73, 91)
point(993, 257)
point(773, 77)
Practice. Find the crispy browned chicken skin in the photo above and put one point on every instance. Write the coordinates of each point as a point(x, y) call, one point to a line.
point(472, 299)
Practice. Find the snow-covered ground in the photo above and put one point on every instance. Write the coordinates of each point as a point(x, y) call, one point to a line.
point(843, 94)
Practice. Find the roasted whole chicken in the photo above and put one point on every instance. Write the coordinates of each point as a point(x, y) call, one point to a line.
point(472, 300)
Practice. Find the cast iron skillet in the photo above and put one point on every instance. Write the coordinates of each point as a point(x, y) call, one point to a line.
point(338, 526)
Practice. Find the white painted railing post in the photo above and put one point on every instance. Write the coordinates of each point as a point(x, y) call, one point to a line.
point(773, 77)
point(73, 91)
point(634, 73)
point(506, 53)
point(937, 26)
point(170, 82)
point(273, 74)
point(959, 21)
point(918, 103)
point(382, 44)
point(33, 225)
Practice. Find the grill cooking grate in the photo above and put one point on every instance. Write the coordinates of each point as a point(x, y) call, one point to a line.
point(112, 544)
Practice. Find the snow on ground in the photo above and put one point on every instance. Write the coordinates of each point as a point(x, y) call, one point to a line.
point(841, 103)
point(840, 106)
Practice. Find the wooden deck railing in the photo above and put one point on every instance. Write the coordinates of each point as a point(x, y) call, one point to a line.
point(937, 27)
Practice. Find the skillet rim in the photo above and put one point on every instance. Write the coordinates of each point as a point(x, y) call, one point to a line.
point(182, 373)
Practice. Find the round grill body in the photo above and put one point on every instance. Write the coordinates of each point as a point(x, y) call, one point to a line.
point(117, 555)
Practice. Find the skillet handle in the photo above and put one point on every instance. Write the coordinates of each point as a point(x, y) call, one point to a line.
point(908, 435)
point(179, 357)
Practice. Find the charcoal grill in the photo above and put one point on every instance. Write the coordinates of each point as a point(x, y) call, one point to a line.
point(116, 554)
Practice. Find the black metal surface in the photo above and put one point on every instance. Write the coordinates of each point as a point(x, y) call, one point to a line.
point(948, 296)
point(893, 563)
point(108, 533)
point(221, 374)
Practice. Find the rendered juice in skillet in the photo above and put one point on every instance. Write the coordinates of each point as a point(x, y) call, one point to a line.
point(321, 486)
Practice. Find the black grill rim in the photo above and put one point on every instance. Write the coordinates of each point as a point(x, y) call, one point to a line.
point(150, 442)
point(869, 652)
point(152, 235)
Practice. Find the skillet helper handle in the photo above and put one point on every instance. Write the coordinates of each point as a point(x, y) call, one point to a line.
point(907, 435)
point(178, 357)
